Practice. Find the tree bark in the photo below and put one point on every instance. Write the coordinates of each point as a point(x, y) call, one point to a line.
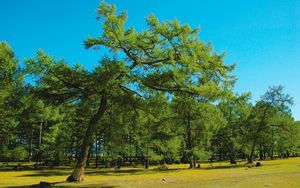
point(89, 157)
point(97, 150)
point(232, 154)
point(250, 159)
point(77, 174)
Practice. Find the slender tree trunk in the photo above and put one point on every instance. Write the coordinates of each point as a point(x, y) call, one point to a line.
point(38, 157)
point(191, 164)
point(189, 140)
point(232, 154)
point(30, 146)
point(250, 159)
point(261, 153)
point(77, 174)
point(146, 160)
point(272, 153)
point(194, 162)
point(147, 149)
point(97, 150)
point(130, 154)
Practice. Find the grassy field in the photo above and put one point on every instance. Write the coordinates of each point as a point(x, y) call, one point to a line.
point(278, 173)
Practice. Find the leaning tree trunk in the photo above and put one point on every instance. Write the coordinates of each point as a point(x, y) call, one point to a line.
point(77, 174)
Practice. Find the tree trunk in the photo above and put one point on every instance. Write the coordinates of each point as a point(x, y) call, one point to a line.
point(232, 154)
point(259, 129)
point(97, 155)
point(89, 157)
point(30, 147)
point(38, 156)
point(250, 159)
point(191, 163)
point(146, 162)
point(194, 162)
point(77, 174)
point(271, 153)
point(261, 153)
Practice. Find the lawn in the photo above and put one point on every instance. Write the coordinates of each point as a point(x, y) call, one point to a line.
point(278, 173)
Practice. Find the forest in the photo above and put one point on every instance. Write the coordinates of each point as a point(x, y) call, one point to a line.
point(158, 96)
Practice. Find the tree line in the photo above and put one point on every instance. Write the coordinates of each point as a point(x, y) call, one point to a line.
point(160, 96)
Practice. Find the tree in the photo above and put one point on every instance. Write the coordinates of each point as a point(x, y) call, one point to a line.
point(11, 80)
point(236, 109)
point(273, 102)
point(166, 57)
point(199, 121)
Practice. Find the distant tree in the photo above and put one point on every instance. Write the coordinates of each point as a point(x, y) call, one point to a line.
point(273, 102)
point(157, 134)
point(11, 84)
point(199, 121)
point(236, 109)
point(281, 137)
point(39, 126)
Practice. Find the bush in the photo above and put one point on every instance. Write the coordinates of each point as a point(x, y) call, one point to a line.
point(19, 153)
point(4, 153)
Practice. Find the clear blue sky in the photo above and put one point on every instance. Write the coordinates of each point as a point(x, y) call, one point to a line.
point(263, 37)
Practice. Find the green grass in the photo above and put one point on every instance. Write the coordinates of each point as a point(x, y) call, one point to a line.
point(278, 173)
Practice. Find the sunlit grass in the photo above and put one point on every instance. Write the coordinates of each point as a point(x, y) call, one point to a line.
point(277, 173)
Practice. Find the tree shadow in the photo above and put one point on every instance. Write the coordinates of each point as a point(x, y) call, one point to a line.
point(225, 167)
point(123, 172)
point(45, 173)
point(15, 168)
point(56, 184)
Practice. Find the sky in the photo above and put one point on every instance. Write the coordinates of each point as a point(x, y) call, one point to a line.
point(262, 37)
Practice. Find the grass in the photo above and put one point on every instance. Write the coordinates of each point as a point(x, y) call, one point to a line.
point(278, 173)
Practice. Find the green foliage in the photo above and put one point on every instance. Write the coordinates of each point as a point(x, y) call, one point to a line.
point(11, 80)
point(19, 153)
point(160, 94)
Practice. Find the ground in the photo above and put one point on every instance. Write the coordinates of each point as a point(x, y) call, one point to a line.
point(277, 173)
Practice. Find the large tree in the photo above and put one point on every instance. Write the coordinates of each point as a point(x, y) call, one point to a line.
point(166, 57)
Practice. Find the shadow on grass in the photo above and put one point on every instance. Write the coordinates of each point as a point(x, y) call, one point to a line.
point(26, 168)
point(64, 186)
point(46, 173)
point(56, 184)
point(225, 167)
point(122, 172)
point(100, 172)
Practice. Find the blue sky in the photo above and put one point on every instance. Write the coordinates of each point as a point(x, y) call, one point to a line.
point(263, 37)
